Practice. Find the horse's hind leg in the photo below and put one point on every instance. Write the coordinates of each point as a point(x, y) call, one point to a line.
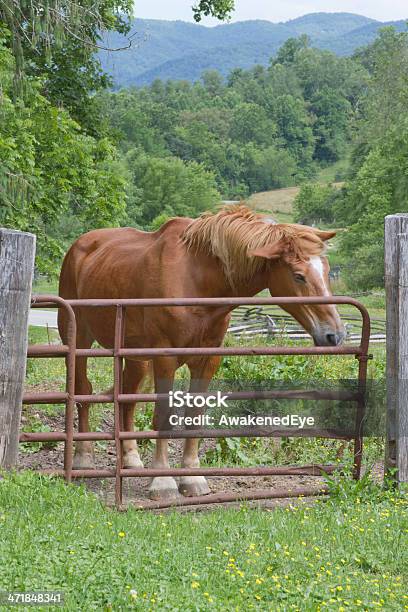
point(133, 375)
point(84, 455)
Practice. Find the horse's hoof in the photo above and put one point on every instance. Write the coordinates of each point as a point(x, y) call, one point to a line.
point(163, 489)
point(83, 461)
point(193, 486)
point(132, 460)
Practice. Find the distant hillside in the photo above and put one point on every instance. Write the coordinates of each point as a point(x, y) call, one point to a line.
point(181, 50)
point(345, 45)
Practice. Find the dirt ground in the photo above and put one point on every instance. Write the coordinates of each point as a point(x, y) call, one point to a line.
point(135, 490)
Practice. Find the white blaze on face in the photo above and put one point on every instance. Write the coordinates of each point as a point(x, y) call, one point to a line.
point(317, 265)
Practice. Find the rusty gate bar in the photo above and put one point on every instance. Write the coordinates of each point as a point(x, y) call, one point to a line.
point(215, 302)
point(314, 469)
point(182, 434)
point(118, 352)
point(117, 389)
point(31, 398)
point(221, 498)
point(38, 350)
point(358, 441)
point(69, 399)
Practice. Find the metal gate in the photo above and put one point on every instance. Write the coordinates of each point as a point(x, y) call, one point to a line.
point(118, 353)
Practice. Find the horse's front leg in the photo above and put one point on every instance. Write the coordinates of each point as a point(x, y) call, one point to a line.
point(202, 370)
point(163, 487)
point(133, 375)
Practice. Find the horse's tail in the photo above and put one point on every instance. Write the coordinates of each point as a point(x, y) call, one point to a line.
point(67, 289)
point(146, 386)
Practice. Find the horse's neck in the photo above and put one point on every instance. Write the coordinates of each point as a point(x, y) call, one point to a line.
point(251, 288)
point(211, 281)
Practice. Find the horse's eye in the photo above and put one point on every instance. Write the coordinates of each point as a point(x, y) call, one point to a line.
point(299, 278)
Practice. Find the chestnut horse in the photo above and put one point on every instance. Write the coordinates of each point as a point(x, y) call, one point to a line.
point(232, 252)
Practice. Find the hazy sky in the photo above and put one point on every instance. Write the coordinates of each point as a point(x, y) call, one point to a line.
point(276, 10)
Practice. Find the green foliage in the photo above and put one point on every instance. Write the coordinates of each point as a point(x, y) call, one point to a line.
point(227, 451)
point(56, 44)
point(167, 187)
point(68, 78)
point(331, 87)
point(221, 9)
point(379, 184)
point(183, 146)
point(268, 168)
point(259, 130)
point(289, 50)
point(379, 188)
point(35, 424)
point(294, 125)
point(59, 173)
point(250, 123)
point(332, 126)
point(314, 204)
point(50, 168)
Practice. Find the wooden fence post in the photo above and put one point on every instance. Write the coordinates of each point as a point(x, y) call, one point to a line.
point(396, 286)
point(17, 253)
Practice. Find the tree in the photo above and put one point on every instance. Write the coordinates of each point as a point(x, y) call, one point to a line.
point(52, 47)
point(294, 128)
point(386, 93)
point(137, 121)
point(213, 82)
point(378, 185)
point(167, 187)
point(221, 9)
point(50, 37)
point(288, 51)
point(253, 121)
point(332, 125)
point(50, 169)
point(269, 168)
point(380, 188)
point(314, 204)
point(250, 123)
point(59, 169)
point(57, 41)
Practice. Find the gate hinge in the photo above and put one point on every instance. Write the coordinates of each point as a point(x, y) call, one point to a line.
point(364, 357)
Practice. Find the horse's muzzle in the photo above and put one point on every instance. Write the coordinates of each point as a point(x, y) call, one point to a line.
point(329, 337)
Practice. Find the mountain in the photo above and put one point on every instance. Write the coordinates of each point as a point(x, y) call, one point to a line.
point(181, 50)
point(345, 45)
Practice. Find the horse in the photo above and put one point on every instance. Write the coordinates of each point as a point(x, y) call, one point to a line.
point(230, 252)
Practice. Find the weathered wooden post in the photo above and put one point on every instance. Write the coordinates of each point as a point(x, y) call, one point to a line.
point(17, 253)
point(396, 286)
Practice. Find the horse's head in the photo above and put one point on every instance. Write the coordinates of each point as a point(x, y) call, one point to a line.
point(299, 268)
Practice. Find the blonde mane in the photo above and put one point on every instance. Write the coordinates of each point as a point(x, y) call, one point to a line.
point(235, 230)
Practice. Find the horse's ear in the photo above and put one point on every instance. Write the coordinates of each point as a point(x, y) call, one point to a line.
point(269, 251)
point(323, 235)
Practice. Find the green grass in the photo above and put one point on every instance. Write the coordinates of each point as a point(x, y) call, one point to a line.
point(45, 285)
point(278, 203)
point(349, 552)
point(335, 172)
